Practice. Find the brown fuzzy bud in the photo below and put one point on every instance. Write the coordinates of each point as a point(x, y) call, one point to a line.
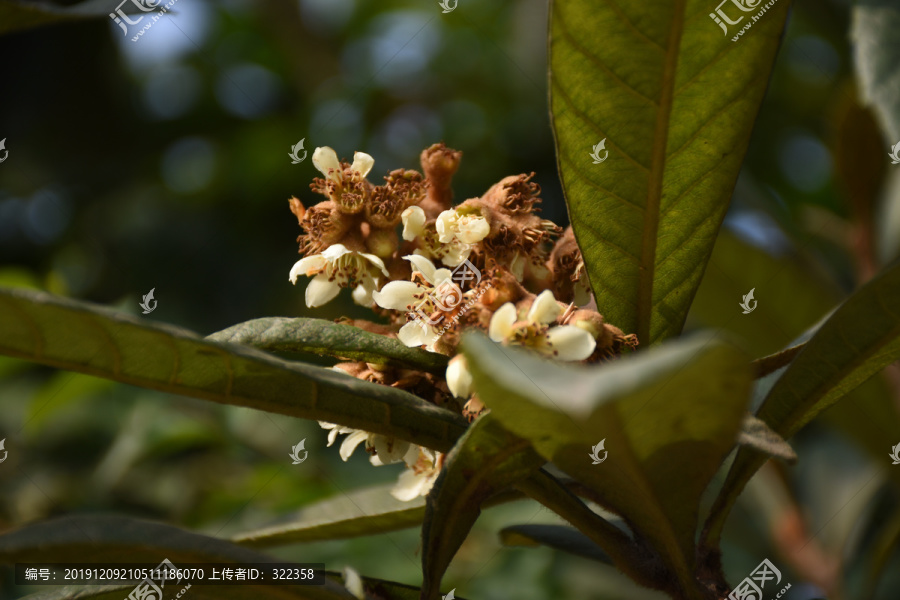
point(439, 164)
point(297, 208)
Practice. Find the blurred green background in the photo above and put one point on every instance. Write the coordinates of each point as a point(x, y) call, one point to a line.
point(163, 163)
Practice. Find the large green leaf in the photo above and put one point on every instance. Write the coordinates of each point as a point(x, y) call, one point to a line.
point(857, 341)
point(364, 512)
point(281, 334)
point(359, 513)
point(484, 461)
point(97, 341)
point(675, 101)
point(668, 417)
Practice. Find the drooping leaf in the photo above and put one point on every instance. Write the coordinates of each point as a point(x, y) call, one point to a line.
point(107, 540)
point(281, 334)
point(97, 341)
point(675, 100)
point(859, 339)
point(484, 461)
point(359, 513)
point(366, 512)
point(667, 418)
point(558, 537)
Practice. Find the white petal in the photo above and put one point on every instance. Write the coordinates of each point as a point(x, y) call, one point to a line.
point(362, 295)
point(398, 295)
point(325, 158)
point(413, 222)
point(412, 456)
point(582, 294)
point(335, 251)
point(409, 486)
point(459, 379)
point(414, 334)
point(502, 322)
point(362, 163)
point(472, 229)
point(390, 450)
point(353, 583)
point(375, 261)
point(571, 343)
point(456, 254)
point(446, 226)
point(544, 309)
point(307, 266)
point(423, 266)
point(351, 442)
point(321, 291)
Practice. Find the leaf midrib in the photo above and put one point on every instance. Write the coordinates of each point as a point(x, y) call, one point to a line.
point(657, 171)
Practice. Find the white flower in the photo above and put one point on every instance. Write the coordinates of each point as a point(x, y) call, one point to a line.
point(385, 450)
point(338, 267)
point(326, 161)
point(419, 478)
point(459, 379)
point(437, 294)
point(467, 228)
point(563, 342)
point(413, 222)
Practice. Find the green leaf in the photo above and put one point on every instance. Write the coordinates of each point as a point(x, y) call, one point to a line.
point(15, 16)
point(359, 513)
point(675, 101)
point(365, 512)
point(558, 537)
point(484, 461)
point(97, 341)
point(668, 417)
point(877, 57)
point(280, 334)
point(857, 341)
point(791, 295)
point(106, 540)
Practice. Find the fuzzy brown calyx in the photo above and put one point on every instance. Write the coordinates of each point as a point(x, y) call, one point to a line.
point(323, 225)
point(439, 163)
point(403, 188)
